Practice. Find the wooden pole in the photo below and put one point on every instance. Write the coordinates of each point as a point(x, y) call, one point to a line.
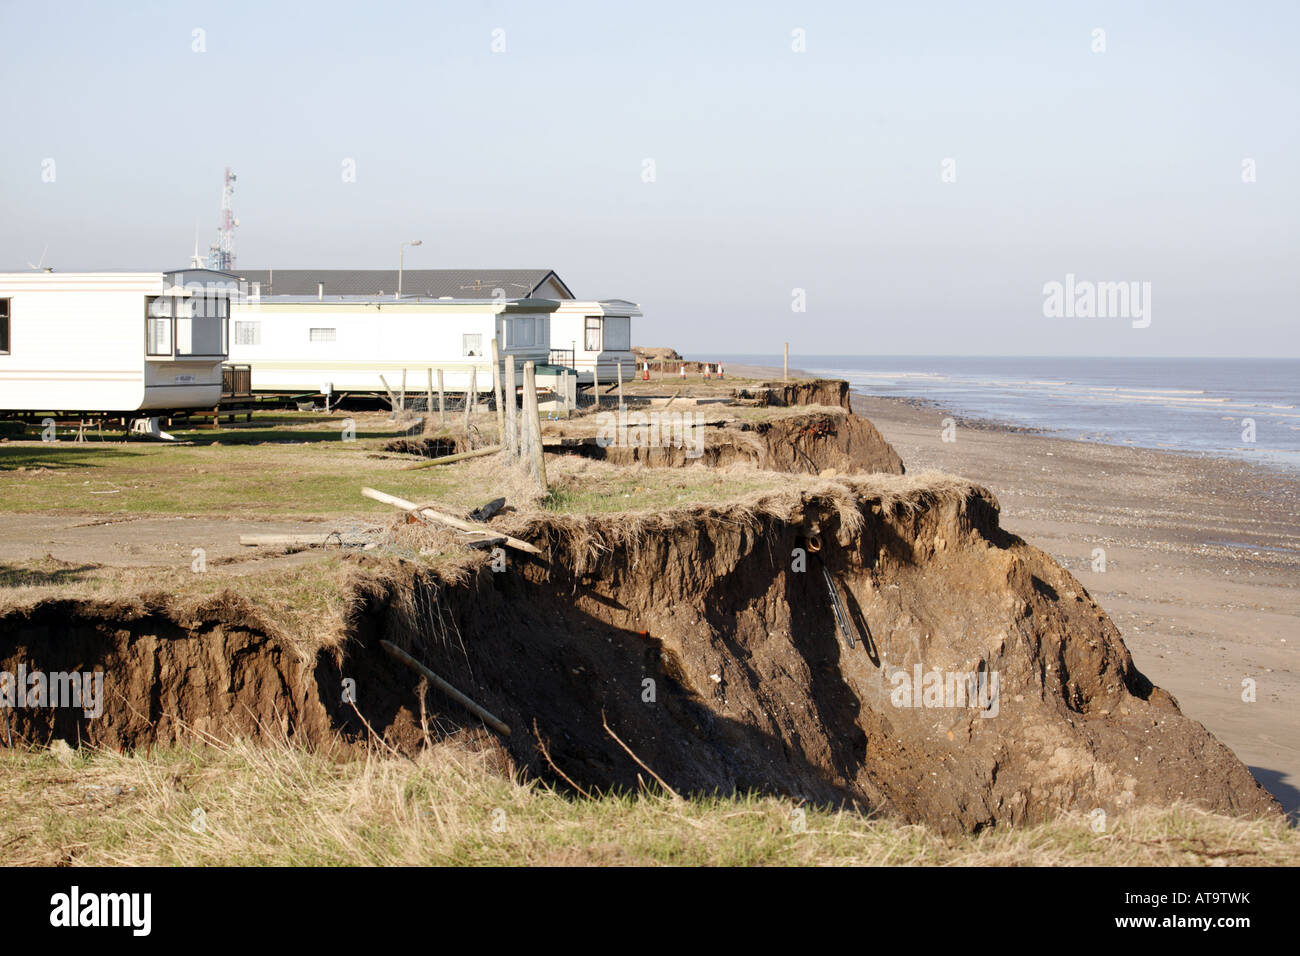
point(469, 398)
point(620, 384)
point(512, 413)
point(451, 520)
point(564, 390)
point(392, 399)
point(595, 379)
point(534, 423)
point(442, 401)
point(524, 440)
point(401, 656)
point(403, 397)
point(459, 456)
point(786, 375)
point(429, 410)
point(496, 390)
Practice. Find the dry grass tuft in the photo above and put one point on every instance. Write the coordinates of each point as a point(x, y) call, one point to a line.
point(240, 804)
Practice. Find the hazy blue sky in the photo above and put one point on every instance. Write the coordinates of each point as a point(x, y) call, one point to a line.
point(774, 170)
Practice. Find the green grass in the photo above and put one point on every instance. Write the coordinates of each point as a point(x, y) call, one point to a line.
point(244, 480)
point(296, 465)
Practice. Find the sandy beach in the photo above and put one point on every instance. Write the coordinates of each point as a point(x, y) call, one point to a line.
point(1202, 561)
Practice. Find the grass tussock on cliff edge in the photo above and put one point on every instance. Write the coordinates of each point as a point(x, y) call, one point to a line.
point(246, 803)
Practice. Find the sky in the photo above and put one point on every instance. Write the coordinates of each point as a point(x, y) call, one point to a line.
point(853, 178)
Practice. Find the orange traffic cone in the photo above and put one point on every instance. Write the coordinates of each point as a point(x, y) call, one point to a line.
point(645, 374)
point(683, 372)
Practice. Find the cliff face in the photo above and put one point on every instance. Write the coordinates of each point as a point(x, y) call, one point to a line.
point(983, 684)
point(833, 392)
point(803, 444)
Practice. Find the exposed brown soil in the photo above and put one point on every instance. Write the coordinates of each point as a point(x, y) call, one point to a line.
point(656, 354)
point(222, 673)
point(811, 443)
point(833, 392)
point(806, 444)
point(753, 687)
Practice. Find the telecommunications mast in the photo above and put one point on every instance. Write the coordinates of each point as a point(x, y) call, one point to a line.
point(221, 254)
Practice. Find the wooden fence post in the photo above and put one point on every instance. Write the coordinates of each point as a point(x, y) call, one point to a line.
point(620, 383)
point(496, 390)
point(442, 401)
point(469, 398)
point(595, 379)
point(512, 413)
point(429, 409)
point(533, 421)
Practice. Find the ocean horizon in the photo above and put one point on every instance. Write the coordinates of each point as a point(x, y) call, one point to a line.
point(1243, 408)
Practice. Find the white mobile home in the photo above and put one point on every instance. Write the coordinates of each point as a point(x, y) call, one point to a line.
point(113, 341)
point(594, 337)
point(341, 344)
point(339, 330)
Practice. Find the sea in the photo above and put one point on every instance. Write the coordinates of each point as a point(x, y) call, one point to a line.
point(1244, 408)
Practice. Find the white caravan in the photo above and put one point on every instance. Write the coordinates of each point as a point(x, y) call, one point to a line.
point(594, 337)
point(368, 344)
point(113, 341)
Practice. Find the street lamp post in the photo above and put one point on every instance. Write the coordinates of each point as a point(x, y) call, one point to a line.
point(401, 251)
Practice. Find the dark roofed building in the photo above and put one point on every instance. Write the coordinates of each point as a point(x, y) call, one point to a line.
point(428, 283)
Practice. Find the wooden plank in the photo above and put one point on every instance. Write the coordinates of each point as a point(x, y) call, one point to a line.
point(442, 401)
point(400, 655)
point(448, 459)
point(446, 519)
point(309, 540)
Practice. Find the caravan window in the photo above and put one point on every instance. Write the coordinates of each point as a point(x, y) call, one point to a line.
point(618, 333)
point(158, 325)
point(471, 345)
point(200, 325)
point(322, 335)
point(248, 333)
point(522, 332)
point(4, 326)
point(592, 341)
